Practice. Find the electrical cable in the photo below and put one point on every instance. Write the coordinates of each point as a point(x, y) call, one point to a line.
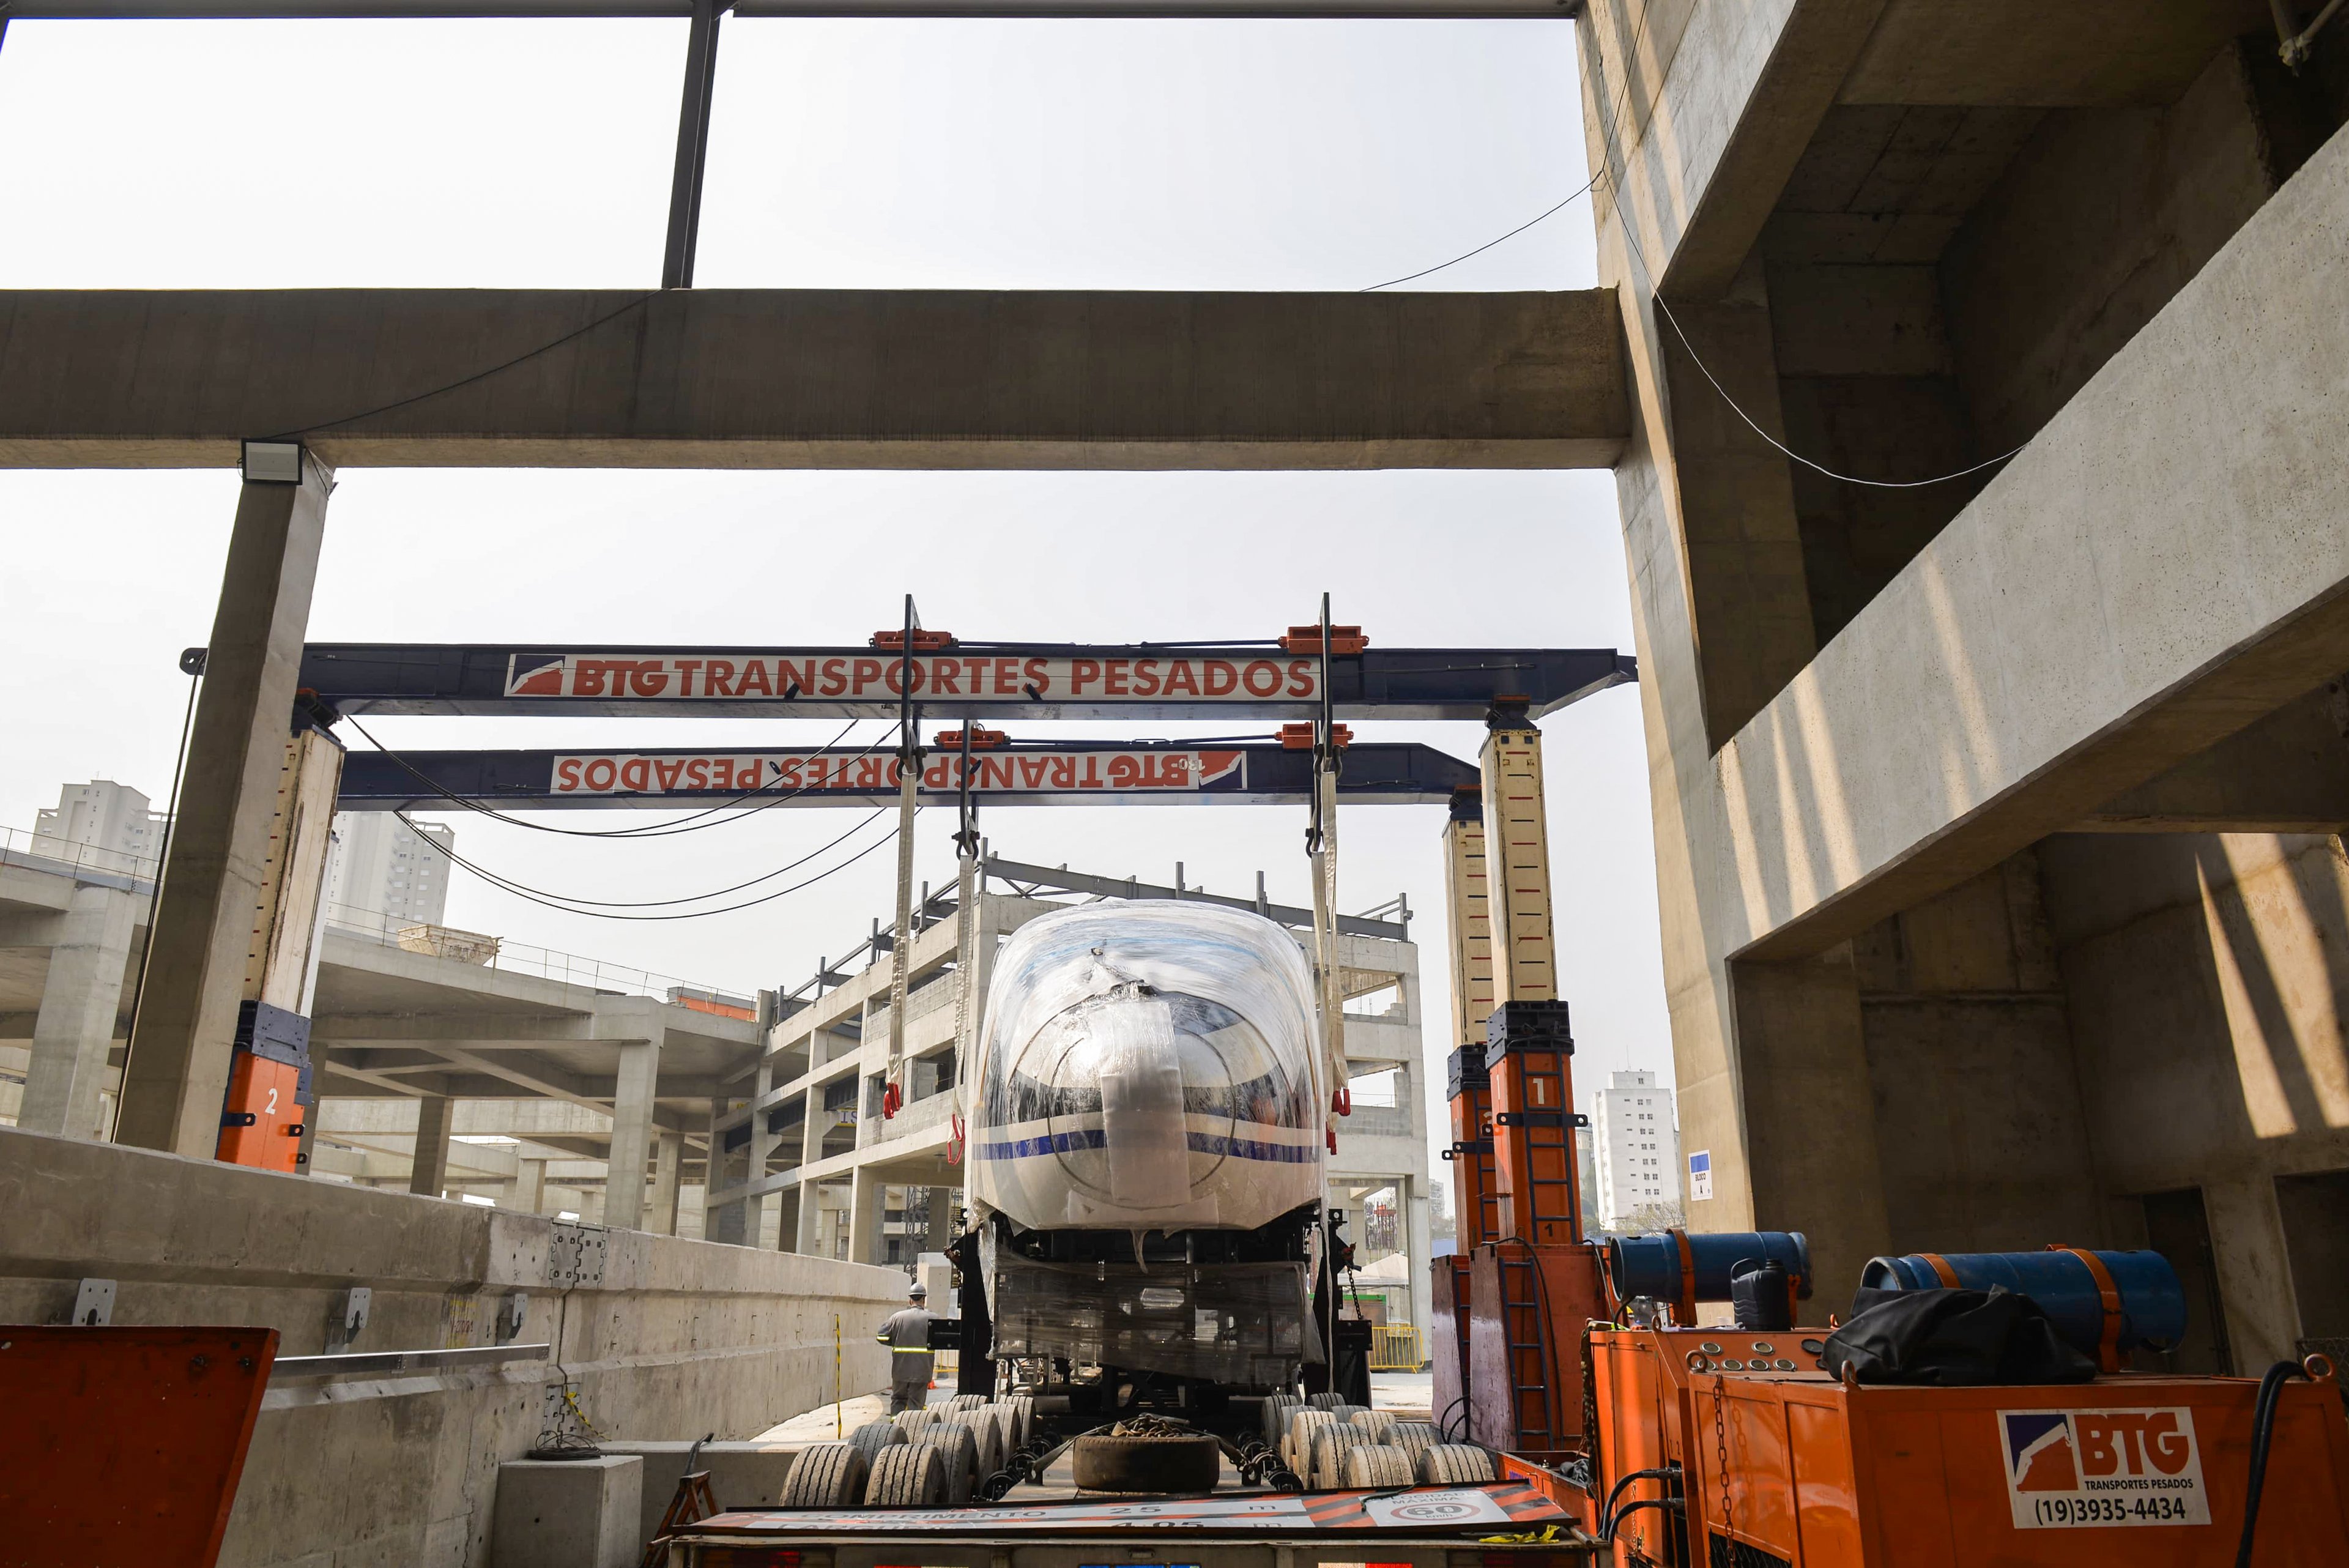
point(690, 824)
point(565, 902)
point(2264, 1409)
point(1616, 114)
point(523, 357)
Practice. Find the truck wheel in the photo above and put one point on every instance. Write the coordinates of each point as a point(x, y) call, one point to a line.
point(965, 1402)
point(1297, 1449)
point(959, 1450)
point(1276, 1408)
point(913, 1423)
point(1454, 1464)
point(981, 1427)
point(1103, 1463)
point(872, 1437)
point(1325, 1401)
point(1023, 1418)
point(907, 1475)
point(1377, 1466)
point(1330, 1444)
point(1414, 1439)
point(825, 1475)
point(1347, 1412)
point(1375, 1424)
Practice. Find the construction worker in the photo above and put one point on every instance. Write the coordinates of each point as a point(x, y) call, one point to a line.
point(907, 1335)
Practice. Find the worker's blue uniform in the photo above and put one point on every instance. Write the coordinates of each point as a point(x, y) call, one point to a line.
point(911, 1361)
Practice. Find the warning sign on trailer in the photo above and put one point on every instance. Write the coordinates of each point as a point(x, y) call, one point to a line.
point(2086, 1469)
point(1422, 1509)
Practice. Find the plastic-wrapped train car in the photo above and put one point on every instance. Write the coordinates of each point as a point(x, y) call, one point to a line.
point(1145, 1152)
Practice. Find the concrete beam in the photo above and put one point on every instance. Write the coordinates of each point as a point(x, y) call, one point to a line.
point(429, 1175)
point(176, 1072)
point(811, 378)
point(2287, 773)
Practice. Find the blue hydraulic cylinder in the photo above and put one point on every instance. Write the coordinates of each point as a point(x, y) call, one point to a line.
point(1651, 1265)
point(2152, 1302)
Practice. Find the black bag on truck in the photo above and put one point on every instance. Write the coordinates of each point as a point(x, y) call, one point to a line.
point(1953, 1338)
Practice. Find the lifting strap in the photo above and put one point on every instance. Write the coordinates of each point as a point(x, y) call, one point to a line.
point(909, 786)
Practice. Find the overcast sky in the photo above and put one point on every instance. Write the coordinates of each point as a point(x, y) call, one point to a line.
point(899, 154)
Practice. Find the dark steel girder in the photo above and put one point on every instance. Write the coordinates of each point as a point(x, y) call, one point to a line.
point(1084, 773)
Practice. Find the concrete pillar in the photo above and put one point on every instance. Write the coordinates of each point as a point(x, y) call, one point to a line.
point(632, 1132)
point(1807, 1106)
point(759, 1213)
point(669, 1158)
point(429, 1173)
point(811, 1216)
point(864, 1192)
point(176, 1073)
point(530, 1187)
point(1419, 1241)
point(79, 1004)
point(787, 1220)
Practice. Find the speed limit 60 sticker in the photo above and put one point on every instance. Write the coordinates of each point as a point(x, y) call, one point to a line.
point(2075, 1467)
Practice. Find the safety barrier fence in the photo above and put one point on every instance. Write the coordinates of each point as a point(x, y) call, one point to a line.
point(1397, 1347)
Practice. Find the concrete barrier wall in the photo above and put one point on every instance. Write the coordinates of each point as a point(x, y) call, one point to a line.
point(660, 1337)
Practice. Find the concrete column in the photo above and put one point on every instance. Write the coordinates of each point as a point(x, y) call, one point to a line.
point(759, 1213)
point(863, 1217)
point(79, 1004)
point(787, 1220)
point(632, 1132)
point(1807, 1106)
point(1420, 1242)
point(669, 1158)
point(530, 1187)
point(429, 1173)
point(176, 1073)
point(810, 1215)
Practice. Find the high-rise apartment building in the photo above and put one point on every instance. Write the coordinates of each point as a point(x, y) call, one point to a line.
point(101, 815)
point(384, 874)
point(1636, 1147)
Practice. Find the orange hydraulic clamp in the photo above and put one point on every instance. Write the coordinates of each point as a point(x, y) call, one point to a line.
point(269, 1087)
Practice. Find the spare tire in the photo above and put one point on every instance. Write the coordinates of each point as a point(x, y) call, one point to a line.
point(907, 1475)
point(825, 1475)
point(959, 1448)
point(1156, 1464)
point(1454, 1464)
point(1375, 1465)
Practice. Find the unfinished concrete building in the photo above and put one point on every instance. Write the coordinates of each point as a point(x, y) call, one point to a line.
point(1996, 819)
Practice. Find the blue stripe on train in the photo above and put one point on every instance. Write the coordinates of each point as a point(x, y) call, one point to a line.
point(1200, 1143)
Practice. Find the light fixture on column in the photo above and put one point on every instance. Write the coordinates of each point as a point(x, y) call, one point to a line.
point(272, 462)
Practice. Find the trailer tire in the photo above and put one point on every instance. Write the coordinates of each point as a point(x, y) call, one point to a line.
point(1414, 1439)
point(1000, 1416)
point(1347, 1412)
point(981, 1425)
point(1023, 1418)
point(1378, 1467)
point(825, 1475)
point(1330, 1445)
point(965, 1402)
point(1105, 1463)
point(1324, 1401)
point(1454, 1464)
point(1297, 1448)
point(1376, 1425)
point(907, 1475)
point(959, 1447)
point(1277, 1409)
point(914, 1423)
point(872, 1437)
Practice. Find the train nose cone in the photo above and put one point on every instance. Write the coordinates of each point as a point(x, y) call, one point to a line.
point(1130, 1049)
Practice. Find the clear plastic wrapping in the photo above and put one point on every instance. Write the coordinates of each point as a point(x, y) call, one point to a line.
point(1148, 1066)
point(1236, 1323)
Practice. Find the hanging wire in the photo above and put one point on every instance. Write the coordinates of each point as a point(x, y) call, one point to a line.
point(597, 909)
